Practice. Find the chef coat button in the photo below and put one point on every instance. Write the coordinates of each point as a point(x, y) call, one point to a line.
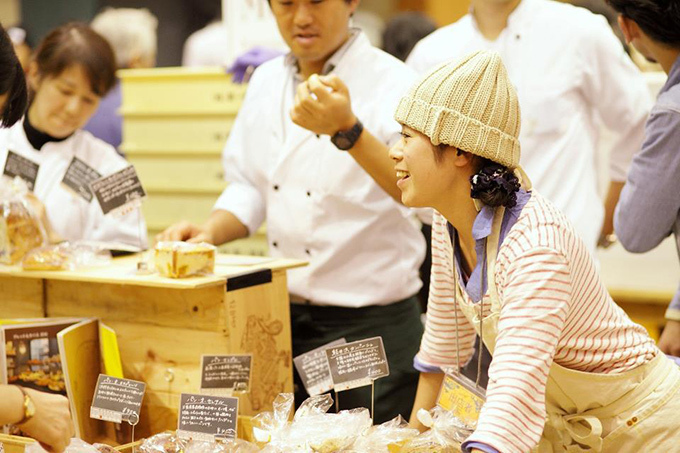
point(275, 244)
point(308, 252)
point(635, 419)
point(276, 187)
point(629, 423)
point(309, 194)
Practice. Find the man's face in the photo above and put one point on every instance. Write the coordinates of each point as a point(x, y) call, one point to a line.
point(313, 29)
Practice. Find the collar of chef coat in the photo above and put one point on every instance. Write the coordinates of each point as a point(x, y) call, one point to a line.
point(333, 61)
point(516, 21)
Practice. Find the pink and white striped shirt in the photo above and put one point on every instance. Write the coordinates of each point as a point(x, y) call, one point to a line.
point(554, 308)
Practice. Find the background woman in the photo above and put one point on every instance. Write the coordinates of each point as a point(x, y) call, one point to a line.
point(72, 69)
point(570, 370)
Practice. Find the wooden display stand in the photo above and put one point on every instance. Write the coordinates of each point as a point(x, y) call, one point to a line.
point(164, 325)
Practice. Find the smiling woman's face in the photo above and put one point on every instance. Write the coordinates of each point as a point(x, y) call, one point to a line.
point(425, 180)
point(62, 104)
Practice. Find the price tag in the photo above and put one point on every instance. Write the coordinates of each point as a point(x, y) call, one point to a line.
point(17, 165)
point(78, 177)
point(313, 369)
point(225, 374)
point(207, 418)
point(460, 396)
point(118, 190)
point(117, 400)
point(357, 364)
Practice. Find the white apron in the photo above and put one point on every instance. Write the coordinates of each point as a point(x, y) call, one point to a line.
point(635, 411)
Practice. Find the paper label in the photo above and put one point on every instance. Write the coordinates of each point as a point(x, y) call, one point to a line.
point(26, 169)
point(460, 396)
point(313, 369)
point(117, 399)
point(229, 373)
point(78, 177)
point(114, 192)
point(207, 418)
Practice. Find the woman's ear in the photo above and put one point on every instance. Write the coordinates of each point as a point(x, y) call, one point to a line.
point(462, 158)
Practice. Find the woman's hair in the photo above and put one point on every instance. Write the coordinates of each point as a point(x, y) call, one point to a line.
point(77, 43)
point(12, 82)
point(494, 184)
point(130, 31)
point(659, 19)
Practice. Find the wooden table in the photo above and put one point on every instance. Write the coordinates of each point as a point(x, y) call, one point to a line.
point(164, 325)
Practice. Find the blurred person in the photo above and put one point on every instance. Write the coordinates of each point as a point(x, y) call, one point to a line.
point(207, 46)
point(404, 31)
point(72, 69)
point(649, 207)
point(308, 154)
point(22, 47)
point(43, 416)
point(132, 35)
point(572, 77)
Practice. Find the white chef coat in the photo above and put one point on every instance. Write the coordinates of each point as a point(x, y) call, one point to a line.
point(71, 216)
point(320, 205)
point(572, 76)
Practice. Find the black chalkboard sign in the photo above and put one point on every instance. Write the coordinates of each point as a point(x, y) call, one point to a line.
point(78, 177)
point(226, 373)
point(117, 399)
point(204, 417)
point(17, 165)
point(118, 189)
point(358, 363)
point(313, 369)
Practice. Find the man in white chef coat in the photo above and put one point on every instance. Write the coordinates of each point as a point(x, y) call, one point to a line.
point(308, 153)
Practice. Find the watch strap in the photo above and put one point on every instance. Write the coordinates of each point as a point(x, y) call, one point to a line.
point(345, 140)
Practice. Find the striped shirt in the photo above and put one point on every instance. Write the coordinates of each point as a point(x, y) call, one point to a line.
point(554, 308)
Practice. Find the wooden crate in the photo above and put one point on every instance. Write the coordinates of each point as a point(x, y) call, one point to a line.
point(164, 325)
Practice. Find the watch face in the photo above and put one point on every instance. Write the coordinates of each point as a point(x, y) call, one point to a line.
point(30, 408)
point(343, 142)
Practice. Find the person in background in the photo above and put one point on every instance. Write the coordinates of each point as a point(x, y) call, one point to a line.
point(73, 68)
point(22, 47)
point(42, 416)
point(207, 46)
point(649, 207)
point(404, 31)
point(308, 154)
point(570, 370)
point(132, 35)
point(572, 77)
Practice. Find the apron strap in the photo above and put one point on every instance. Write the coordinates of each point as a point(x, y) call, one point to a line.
point(584, 429)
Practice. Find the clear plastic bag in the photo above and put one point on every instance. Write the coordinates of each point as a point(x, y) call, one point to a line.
point(177, 259)
point(166, 442)
point(445, 435)
point(312, 430)
point(20, 228)
point(66, 256)
point(76, 446)
point(378, 438)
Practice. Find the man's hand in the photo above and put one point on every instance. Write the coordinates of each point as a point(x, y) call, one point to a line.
point(185, 231)
point(52, 424)
point(323, 106)
point(670, 338)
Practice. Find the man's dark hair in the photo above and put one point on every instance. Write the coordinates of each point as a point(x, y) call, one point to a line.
point(12, 82)
point(659, 19)
point(404, 31)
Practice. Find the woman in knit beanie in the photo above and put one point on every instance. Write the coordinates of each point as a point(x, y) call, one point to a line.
point(570, 370)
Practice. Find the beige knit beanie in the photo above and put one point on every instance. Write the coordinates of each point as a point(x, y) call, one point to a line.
point(470, 104)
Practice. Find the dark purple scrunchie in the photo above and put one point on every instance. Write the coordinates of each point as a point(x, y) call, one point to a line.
point(495, 185)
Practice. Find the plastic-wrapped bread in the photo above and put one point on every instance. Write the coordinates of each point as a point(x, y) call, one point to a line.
point(19, 231)
point(180, 259)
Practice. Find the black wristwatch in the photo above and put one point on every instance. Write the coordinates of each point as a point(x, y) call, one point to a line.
point(345, 140)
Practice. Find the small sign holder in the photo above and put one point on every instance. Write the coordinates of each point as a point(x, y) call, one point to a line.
point(357, 364)
point(119, 194)
point(118, 400)
point(313, 369)
point(226, 375)
point(207, 418)
point(18, 165)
